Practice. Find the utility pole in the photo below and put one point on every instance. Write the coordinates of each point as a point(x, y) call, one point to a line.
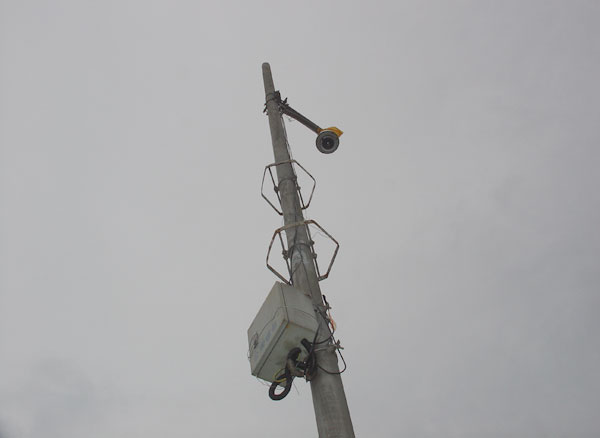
point(329, 399)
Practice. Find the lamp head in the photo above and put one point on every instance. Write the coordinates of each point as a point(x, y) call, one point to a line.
point(328, 140)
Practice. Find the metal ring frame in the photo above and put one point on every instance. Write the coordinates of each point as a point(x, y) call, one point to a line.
point(276, 188)
point(287, 252)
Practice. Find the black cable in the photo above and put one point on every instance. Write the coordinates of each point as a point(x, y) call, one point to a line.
point(286, 389)
point(287, 375)
point(337, 372)
point(310, 364)
point(332, 338)
point(331, 332)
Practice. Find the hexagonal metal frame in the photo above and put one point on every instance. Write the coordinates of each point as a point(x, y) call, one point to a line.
point(287, 255)
point(276, 188)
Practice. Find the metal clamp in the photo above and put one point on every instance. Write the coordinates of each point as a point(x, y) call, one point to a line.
point(287, 252)
point(276, 188)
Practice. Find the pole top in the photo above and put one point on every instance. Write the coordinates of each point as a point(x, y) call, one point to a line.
point(268, 78)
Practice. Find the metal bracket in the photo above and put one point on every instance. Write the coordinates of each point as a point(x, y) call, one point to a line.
point(286, 109)
point(287, 252)
point(276, 188)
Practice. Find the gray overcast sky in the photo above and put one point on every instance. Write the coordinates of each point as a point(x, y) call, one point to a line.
point(464, 195)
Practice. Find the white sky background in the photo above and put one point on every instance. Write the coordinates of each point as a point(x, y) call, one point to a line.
point(464, 195)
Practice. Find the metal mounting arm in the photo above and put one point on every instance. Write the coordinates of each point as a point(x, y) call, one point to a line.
point(289, 111)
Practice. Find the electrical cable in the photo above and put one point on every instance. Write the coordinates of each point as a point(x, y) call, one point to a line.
point(335, 372)
point(331, 337)
point(287, 376)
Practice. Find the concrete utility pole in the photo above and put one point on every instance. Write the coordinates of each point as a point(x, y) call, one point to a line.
point(329, 399)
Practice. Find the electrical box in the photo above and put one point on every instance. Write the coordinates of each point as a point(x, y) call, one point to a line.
point(285, 318)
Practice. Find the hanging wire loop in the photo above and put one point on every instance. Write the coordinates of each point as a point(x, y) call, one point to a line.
point(269, 168)
point(287, 252)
